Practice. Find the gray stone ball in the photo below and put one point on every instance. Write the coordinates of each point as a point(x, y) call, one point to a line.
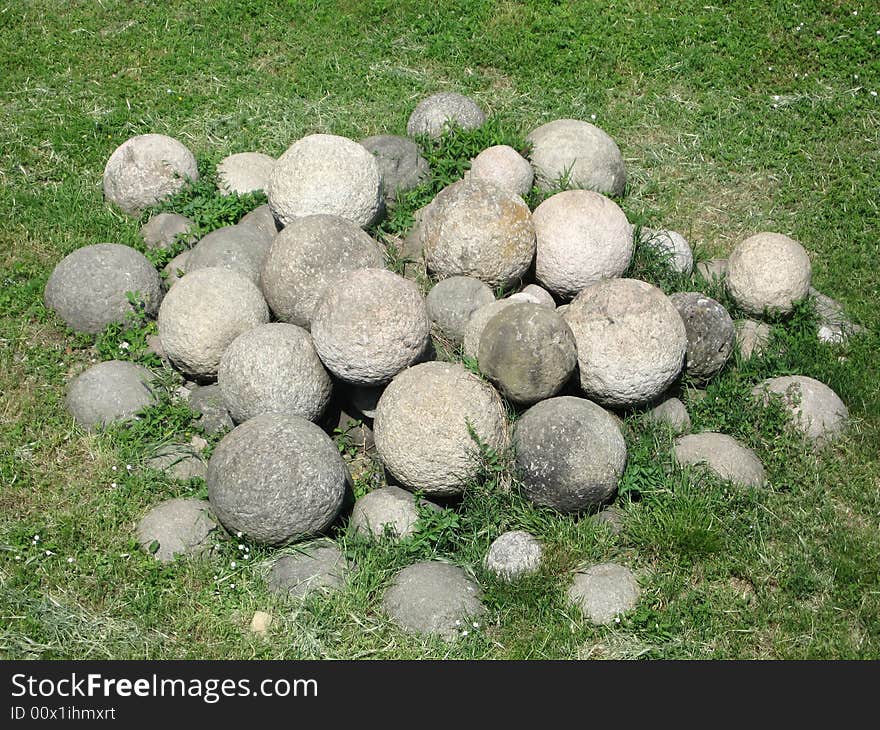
point(570, 454)
point(672, 246)
point(326, 174)
point(317, 567)
point(710, 333)
point(109, 392)
point(276, 478)
point(712, 269)
point(207, 402)
point(421, 426)
point(88, 288)
point(505, 167)
point(145, 169)
point(261, 219)
point(164, 229)
point(752, 337)
point(721, 454)
point(671, 412)
point(435, 114)
point(175, 270)
point(401, 164)
point(178, 461)
point(473, 330)
point(538, 295)
point(238, 248)
point(390, 511)
point(176, 527)
point(452, 301)
point(244, 172)
point(513, 555)
point(604, 592)
point(816, 410)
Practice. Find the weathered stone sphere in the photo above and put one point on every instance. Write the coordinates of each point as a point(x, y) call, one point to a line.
point(89, 288)
point(176, 527)
point(768, 271)
point(631, 341)
point(452, 301)
point(672, 246)
point(477, 229)
point(239, 248)
point(505, 167)
point(582, 238)
point(671, 412)
point(421, 426)
point(145, 169)
point(323, 173)
point(605, 591)
point(390, 511)
point(570, 454)
point(752, 338)
point(434, 115)
point(203, 313)
point(277, 478)
point(538, 295)
point(318, 567)
point(109, 392)
point(164, 229)
point(816, 410)
point(473, 330)
point(244, 172)
point(528, 352)
point(722, 455)
point(710, 333)
point(513, 555)
point(274, 368)
point(370, 325)
point(175, 270)
point(401, 164)
point(212, 415)
point(262, 219)
point(579, 152)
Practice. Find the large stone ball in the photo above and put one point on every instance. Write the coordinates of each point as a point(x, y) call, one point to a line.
point(401, 164)
point(478, 229)
point(434, 115)
point(582, 237)
point(505, 167)
point(570, 454)
point(370, 325)
point(109, 392)
point(273, 368)
point(239, 248)
point(323, 173)
point(817, 411)
point(277, 478)
point(513, 555)
point(309, 254)
point(203, 313)
point(710, 333)
point(89, 288)
point(452, 301)
point(422, 426)
point(473, 330)
point(244, 172)
point(768, 271)
point(631, 341)
point(145, 169)
point(578, 153)
point(528, 352)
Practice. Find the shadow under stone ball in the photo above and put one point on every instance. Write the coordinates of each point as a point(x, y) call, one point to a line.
point(401, 164)
point(710, 333)
point(276, 478)
point(435, 114)
point(109, 392)
point(452, 301)
point(239, 248)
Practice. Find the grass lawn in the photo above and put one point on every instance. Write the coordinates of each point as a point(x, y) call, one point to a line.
point(733, 118)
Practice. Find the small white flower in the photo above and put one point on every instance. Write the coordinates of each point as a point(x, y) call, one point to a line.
point(247, 557)
point(776, 97)
point(593, 117)
point(769, 68)
point(855, 12)
point(240, 546)
point(239, 534)
point(124, 345)
point(233, 564)
point(113, 485)
point(873, 93)
point(70, 560)
point(464, 633)
point(112, 468)
point(49, 552)
point(18, 557)
point(476, 625)
point(617, 619)
point(128, 467)
point(458, 623)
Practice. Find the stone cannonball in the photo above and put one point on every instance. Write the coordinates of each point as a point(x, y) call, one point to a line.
point(244, 172)
point(473, 330)
point(388, 511)
point(452, 301)
point(240, 248)
point(817, 411)
point(721, 454)
point(672, 246)
point(710, 332)
point(505, 167)
point(165, 229)
point(109, 392)
point(513, 555)
point(401, 164)
point(176, 527)
point(435, 114)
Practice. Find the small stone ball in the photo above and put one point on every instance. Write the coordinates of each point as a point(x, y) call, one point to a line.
point(671, 412)
point(712, 269)
point(768, 271)
point(816, 410)
point(239, 248)
point(513, 555)
point(579, 153)
point(604, 592)
point(435, 114)
point(308, 255)
point(262, 220)
point(570, 454)
point(473, 330)
point(505, 167)
point(539, 295)
point(721, 454)
point(370, 325)
point(401, 164)
point(452, 301)
point(318, 567)
point(145, 169)
point(326, 174)
point(109, 392)
point(176, 527)
point(390, 511)
point(422, 426)
point(165, 229)
point(710, 333)
point(582, 238)
point(175, 270)
point(203, 313)
point(277, 478)
point(89, 288)
point(244, 172)
point(672, 246)
point(212, 415)
point(178, 461)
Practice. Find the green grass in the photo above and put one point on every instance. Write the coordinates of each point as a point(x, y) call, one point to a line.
point(688, 90)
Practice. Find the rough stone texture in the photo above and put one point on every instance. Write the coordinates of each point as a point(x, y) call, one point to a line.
point(213, 416)
point(389, 510)
point(451, 302)
point(580, 152)
point(309, 255)
point(478, 229)
point(175, 270)
point(401, 164)
point(752, 337)
point(238, 248)
point(513, 555)
point(88, 288)
point(179, 526)
point(109, 392)
point(672, 412)
point(277, 478)
point(604, 591)
point(370, 325)
point(631, 341)
point(244, 172)
point(473, 330)
point(816, 410)
point(528, 352)
point(421, 426)
point(712, 269)
point(163, 229)
point(570, 454)
point(433, 115)
point(834, 326)
point(541, 295)
point(179, 462)
point(721, 454)
point(505, 167)
point(582, 238)
point(323, 173)
point(273, 368)
point(317, 567)
point(611, 518)
point(768, 271)
point(710, 333)
point(673, 246)
point(262, 219)
point(433, 598)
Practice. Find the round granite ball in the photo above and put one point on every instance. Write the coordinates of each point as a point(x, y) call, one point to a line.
point(145, 169)
point(434, 115)
point(721, 454)
point(452, 301)
point(672, 246)
point(605, 591)
point(401, 164)
point(239, 248)
point(582, 238)
point(276, 478)
point(768, 271)
point(513, 555)
point(176, 527)
point(579, 152)
point(262, 220)
point(323, 173)
point(165, 229)
point(109, 392)
point(89, 288)
point(473, 330)
point(528, 352)
point(505, 167)
point(273, 368)
point(817, 411)
point(244, 172)
point(478, 229)
point(570, 454)
point(631, 341)
point(388, 511)
point(421, 426)
point(203, 313)
point(710, 333)
point(370, 325)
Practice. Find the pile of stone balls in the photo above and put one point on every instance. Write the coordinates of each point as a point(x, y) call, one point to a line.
point(274, 319)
